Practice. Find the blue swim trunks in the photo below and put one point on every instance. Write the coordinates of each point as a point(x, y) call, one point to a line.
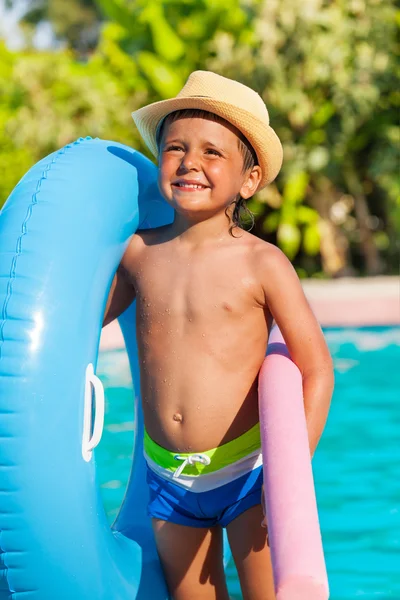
point(208, 488)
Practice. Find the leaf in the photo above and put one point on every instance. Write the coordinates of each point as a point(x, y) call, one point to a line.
point(381, 240)
point(312, 239)
point(234, 19)
point(117, 10)
point(271, 222)
point(164, 79)
point(166, 42)
point(301, 273)
point(289, 239)
point(323, 114)
point(295, 187)
point(306, 215)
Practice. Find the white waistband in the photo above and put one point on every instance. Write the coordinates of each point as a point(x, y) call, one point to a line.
point(209, 481)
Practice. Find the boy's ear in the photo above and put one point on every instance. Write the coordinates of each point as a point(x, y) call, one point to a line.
point(251, 182)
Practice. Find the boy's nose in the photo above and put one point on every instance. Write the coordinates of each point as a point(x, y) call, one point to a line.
point(190, 162)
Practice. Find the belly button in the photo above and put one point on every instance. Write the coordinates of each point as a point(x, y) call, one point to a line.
point(178, 417)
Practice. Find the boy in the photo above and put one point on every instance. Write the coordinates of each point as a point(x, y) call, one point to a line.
point(207, 293)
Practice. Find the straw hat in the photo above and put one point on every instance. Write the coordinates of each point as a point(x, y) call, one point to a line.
point(231, 100)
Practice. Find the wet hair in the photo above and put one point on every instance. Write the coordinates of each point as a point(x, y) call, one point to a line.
point(247, 151)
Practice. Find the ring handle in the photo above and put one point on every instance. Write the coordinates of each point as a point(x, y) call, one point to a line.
point(90, 442)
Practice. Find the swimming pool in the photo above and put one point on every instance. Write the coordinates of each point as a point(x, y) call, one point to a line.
point(356, 467)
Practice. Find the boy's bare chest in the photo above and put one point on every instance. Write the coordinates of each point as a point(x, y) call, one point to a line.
point(191, 288)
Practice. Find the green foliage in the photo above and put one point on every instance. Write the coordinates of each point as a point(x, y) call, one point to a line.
point(49, 99)
point(326, 70)
point(169, 39)
point(75, 21)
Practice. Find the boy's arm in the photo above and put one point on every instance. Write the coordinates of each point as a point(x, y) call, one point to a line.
point(285, 299)
point(122, 291)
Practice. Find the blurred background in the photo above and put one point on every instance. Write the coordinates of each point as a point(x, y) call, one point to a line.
point(327, 70)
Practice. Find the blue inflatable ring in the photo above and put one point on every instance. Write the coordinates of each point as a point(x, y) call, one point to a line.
point(63, 232)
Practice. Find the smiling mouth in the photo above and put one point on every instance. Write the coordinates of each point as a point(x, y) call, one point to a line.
point(192, 187)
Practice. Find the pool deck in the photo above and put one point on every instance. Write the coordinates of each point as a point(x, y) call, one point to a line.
point(347, 302)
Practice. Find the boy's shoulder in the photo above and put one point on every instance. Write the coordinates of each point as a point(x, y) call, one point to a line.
point(145, 237)
point(261, 250)
point(268, 261)
point(138, 243)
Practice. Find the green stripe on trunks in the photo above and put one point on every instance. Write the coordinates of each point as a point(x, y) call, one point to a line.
point(220, 457)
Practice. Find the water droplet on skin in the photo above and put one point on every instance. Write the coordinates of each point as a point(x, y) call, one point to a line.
point(148, 304)
point(203, 335)
point(198, 408)
point(164, 380)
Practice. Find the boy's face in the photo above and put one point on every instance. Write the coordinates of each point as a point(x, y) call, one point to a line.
point(201, 167)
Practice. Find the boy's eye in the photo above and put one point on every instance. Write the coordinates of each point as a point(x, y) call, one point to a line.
point(214, 152)
point(173, 147)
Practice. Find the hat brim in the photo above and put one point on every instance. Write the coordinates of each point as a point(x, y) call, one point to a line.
point(261, 136)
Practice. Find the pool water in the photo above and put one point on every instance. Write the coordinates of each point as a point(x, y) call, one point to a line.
point(356, 466)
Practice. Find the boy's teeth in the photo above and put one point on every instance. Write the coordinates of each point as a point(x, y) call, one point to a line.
point(191, 185)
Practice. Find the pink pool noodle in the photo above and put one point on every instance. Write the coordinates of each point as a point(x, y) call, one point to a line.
point(291, 508)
